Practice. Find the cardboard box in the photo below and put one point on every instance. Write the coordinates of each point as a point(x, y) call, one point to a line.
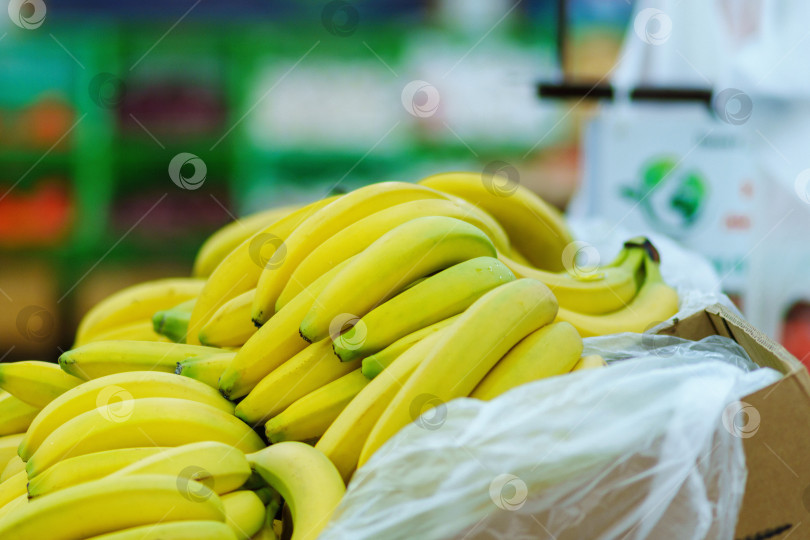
point(777, 495)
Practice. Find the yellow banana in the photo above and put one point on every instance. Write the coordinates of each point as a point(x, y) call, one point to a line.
point(35, 383)
point(305, 372)
point(552, 350)
point(310, 416)
point(135, 304)
point(14, 505)
point(13, 466)
point(306, 479)
point(416, 249)
point(535, 228)
point(469, 348)
point(116, 390)
point(173, 322)
point(231, 325)
point(207, 369)
point(244, 513)
point(142, 422)
point(239, 271)
point(108, 505)
point(15, 415)
point(8, 447)
point(137, 331)
point(13, 488)
point(438, 297)
point(349, 209)
point(174, 530)
point(591, 361)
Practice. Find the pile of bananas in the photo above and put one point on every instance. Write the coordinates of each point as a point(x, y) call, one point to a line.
point(329, 327)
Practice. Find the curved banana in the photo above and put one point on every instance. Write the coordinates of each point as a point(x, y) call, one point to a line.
point(136, 303)
point(361, 234)
point(13, 488)
point(552, 350)
point(244, 513)
point(343, 441)
point(173, 322)
point(591, 361)
point(174, 530)
point(8, 447)
point(239, 271)
point(15, 415)
point(310, 416)
point(349, 209)
point(35, 383)
point(227, 238)
point(469, 348)
point(142, 422)
point(115, 390)
point(137, 331)
point(230, 326)
point(14, 505)
point(108, 505)
point(13, 466)
point(416, 249)
point(275, 342)
point(219, 466)
point(102, 358)
point(207, 369)
point(85, 468)
point(438, 297)
point(302, 374)
point(306, 479)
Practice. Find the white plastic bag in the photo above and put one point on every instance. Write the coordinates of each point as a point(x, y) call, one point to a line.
point(637, 450)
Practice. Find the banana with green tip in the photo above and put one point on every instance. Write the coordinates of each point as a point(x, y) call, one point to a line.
point(35, 383)
point(207, 369)
point(244, 513)
point(15, 414)
point(231, 325)
point(173, 322)
point(590, 361)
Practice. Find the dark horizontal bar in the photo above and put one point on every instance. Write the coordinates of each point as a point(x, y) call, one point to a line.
point(606, 91)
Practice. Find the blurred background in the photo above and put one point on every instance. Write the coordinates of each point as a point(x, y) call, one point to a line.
point(603, 107)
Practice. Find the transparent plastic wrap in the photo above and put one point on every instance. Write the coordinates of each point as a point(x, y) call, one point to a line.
point(647, 448)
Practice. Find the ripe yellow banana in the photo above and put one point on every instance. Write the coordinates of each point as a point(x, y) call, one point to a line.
point(344, 439)
point(219, 466)
point(207, 369)
point(142, 422)
point(552, 350)
point(13, 488)
point(591, 361)
point(102, 358)
point(15, 415)
point(244, 513)
point(136, 303)
point(137, 331)
point(416, 249)
point(655, 302)
point(310, 416)
point(535, 228)
point(305, 372)
point(80, 469)
point(174, 530)
point(361, 234)
point(13, 466)
point(173, 322)
point(13, 505)
point(109, 505)
point(8, 447)
point(226, 239)
point(438, 297)
point(349, 209)
point(469, 348)
point(116, 390)
point(231, 325)
point(275, 342)
point(306, 479)
point(34, 382)
point(239, 271)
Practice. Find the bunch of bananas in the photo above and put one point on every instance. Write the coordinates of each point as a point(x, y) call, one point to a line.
point(330, 327)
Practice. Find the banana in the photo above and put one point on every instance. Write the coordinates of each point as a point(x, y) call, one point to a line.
point(14, 505)
point(275, 342)
point(244, 513)
point(207, 369)
point(15, 415)
point(591, 361)
point(80, 469)
point(35, 383)
point(438, 297)
point(310, 416)
point(344, 439)
point(219, 466)
point(108, 505)
point(349, 209)
point(549, 351)
point(142, 422)
point(239, 271)
point(361, 234)
point(137, 331)
point(230, 326)
point(13, 488)
point(416, 249)
point(655, 302)
point(306, 479)
point(13, 466)
point(136, 303)
point(173, 322)
point(469, 348)
point(226, 239)
point(302, 374)
point(374, 364)
point(174, 530)
point(535, 228)
point(266, 532)
point(102, 358)
point(8, 447)
point(115, 390)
